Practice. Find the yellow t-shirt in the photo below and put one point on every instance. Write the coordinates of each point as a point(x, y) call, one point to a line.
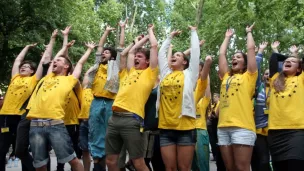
point(262, 131)
point(201, 107)
point(170, 106)
point(99, 83)
point(286, 108)
point(86, 101)
point(200, 89)
point(49, 102)
point(34, 94)
point(134, 90)
point(17, 93)
point(72, 108)
point(236, 104)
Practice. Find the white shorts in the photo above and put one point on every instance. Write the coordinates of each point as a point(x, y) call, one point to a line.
point(235, 135)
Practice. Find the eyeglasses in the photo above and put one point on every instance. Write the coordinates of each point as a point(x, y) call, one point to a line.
point(25, 66)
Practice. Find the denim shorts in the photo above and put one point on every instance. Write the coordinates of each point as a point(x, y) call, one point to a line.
point(235, 135)
point(41, 137)
point(177, 137)
point(84, 136)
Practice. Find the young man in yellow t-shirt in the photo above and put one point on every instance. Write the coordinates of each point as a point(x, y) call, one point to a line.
point(47, 111)
point(137, 79)
point(25, 76)
point(101, 106)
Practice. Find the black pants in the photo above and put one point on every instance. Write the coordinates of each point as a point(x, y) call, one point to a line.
point(73, 131)
point(212, 132)
point(156, 159)
point(7, 138)
point(260, 155)
point(288, 165)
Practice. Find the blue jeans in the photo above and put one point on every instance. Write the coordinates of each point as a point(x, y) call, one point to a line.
point(41, 137)
point(177, 137)
point(100, 112)
point(84, 136)
point(201, 153)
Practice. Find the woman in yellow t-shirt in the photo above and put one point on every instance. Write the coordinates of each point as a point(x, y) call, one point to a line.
point(175, 104)
point(236, 127)
point(286, 119)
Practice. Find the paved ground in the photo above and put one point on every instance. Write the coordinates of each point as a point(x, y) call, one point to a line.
point(68, 168)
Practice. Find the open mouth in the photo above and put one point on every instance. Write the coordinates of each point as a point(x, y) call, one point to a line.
point(234, 63)
point(136, 62)
point(173, 60)
point(287, 65)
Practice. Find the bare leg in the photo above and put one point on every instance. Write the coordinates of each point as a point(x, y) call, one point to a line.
point(184, 157)
point(140, 164)
point(227, 155)
point(86, 160)
point(76, 165)
point(43, 168)
point(242, 157)
point(111, 161)
point(169, 157)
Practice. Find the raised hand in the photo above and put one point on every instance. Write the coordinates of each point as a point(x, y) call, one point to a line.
point(150, 27)
point(249, 28)
point(229, 33)
point(70, 44)
point(208, 58)
point(66, 31)
point(202, 42)
point(123, 24)
point(109, 28)
point(175, 33)
point(294, 49)
point(275, 45)
point(263, 45)
point(192, 27)
point(55, 33)
point(90, 45)
point(32, 45)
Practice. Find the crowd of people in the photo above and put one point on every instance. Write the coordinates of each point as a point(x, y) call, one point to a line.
point(155, 107)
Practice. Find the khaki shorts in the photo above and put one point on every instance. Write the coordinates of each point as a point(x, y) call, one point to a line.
point(124, 130)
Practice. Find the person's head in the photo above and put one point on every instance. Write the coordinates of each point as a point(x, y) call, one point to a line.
point(62, 65)
point(239, 62)
point(216, 97)
point(179, 61)
point(27, 68)
point(266, 76)
point(142, 58)
point(107, 54)
point(292, 66)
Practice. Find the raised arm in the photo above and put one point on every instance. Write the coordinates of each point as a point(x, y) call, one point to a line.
point(83, 59)
point(86, 80)
point(103, 39)
point(259, 60)
point(123, 57)
point(274, 46)
point(122, 33)
point(206, 69)
point(223, 64)
point(188, 51)
point(47, 55)
point(294, 51)
point(169, 54)
point(208, 90)
point(153, 47)
point(131, 54)
point(65, 34)
point(61, 53)
point(251, 65)
point(20, 58)
point(195, 54)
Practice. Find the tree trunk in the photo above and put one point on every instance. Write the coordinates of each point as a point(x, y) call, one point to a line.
point(199, 12)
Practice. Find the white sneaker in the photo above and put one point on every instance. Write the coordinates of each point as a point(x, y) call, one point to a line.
point(9, 163)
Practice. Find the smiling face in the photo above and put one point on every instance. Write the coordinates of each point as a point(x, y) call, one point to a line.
point(238, 63)
point(266, 76)
point(25, 69)
point(178, 61)
point(60, 66)
point(140, 61)
point(292, 66)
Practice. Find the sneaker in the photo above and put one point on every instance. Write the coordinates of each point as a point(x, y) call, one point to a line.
point(9, 163)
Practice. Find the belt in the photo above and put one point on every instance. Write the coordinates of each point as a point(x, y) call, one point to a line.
point(46, 123)
point(123, 114)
